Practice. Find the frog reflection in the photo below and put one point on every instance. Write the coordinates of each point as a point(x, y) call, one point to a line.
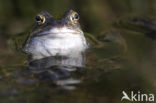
point(57, 70)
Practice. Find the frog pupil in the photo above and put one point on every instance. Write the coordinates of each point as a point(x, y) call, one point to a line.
point(76, 16)
point(38, 18)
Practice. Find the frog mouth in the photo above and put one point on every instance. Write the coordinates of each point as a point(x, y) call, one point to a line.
point(60, 31)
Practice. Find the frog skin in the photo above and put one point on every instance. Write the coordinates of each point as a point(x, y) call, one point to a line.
point(51, 37)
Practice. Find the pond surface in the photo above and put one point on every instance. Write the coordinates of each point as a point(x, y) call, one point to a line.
point(125, 62)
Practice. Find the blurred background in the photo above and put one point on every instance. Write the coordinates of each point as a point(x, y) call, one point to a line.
point(17, 16)
point(130, 24)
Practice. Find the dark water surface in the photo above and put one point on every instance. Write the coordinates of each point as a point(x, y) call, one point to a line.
point(128, 65)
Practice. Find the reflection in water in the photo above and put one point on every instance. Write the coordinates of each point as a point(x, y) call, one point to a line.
point(57, 69)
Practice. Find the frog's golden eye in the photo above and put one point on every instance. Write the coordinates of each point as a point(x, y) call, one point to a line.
point(74, 17)
point(40, 19)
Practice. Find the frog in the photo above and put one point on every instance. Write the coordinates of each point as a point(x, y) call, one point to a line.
point(55, 37)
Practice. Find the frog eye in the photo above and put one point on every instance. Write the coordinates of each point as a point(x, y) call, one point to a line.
point(74, 17)
point(40, 19)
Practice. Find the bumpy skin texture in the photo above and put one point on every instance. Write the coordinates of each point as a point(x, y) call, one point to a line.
point(56, 37)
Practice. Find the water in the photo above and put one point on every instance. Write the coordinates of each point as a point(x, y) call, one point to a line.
point(127, 65)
